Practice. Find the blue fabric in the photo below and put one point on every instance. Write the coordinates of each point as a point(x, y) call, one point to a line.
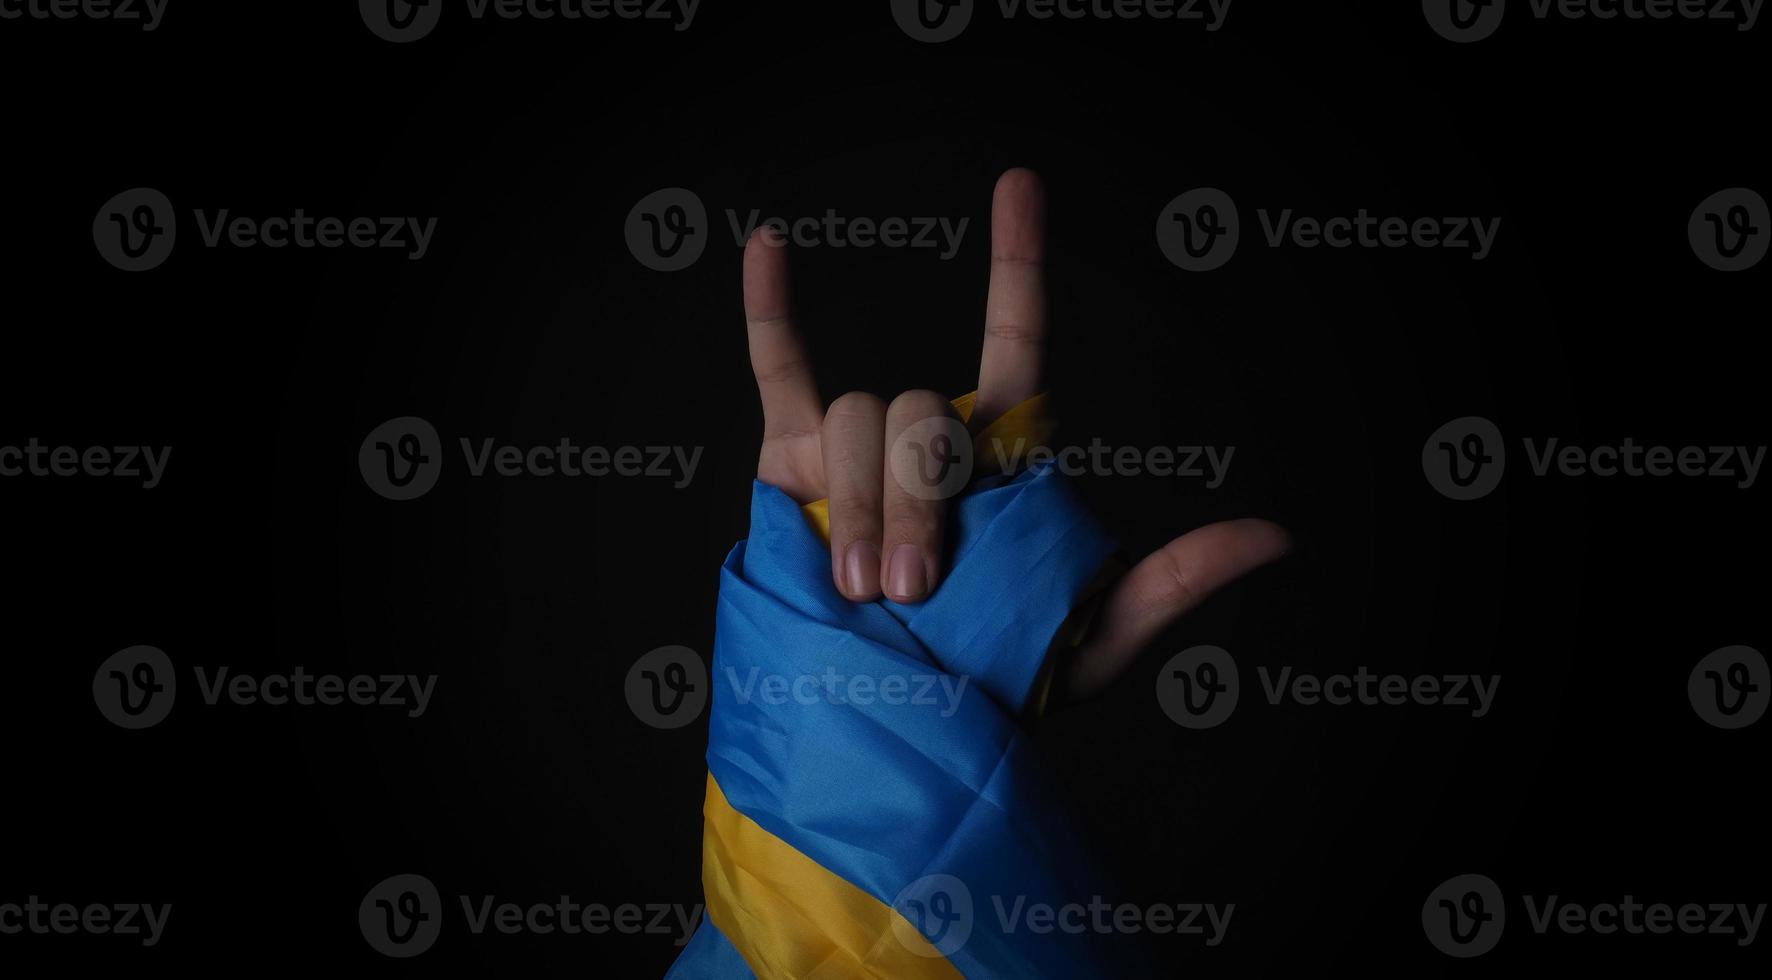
point(709, 955)
point(940, 782)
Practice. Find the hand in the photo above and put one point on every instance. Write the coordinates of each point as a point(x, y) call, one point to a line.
point(885, 540)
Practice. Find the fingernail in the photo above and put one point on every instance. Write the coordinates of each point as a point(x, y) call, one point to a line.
point(861, 570)
point(906, 574)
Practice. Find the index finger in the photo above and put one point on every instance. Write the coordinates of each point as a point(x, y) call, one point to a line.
point(778, 358)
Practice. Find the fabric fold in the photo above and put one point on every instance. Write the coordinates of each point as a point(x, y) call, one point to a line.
point(873, 806)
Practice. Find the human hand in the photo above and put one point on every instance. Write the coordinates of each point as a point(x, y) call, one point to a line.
point(886, 540)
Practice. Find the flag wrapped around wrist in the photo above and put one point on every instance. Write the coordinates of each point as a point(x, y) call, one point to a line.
point(873, 808)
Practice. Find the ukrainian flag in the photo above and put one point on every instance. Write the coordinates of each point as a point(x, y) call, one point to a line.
point(888, 818)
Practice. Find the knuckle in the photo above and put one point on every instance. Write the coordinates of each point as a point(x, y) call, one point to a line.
point(918, 403)
point(909, 519)
point(856, 406)
point(1015, 331)
point(856, 502)
point(782, 371)
point(1173, 584)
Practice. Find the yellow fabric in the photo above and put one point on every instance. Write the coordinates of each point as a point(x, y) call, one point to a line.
point(790, 917)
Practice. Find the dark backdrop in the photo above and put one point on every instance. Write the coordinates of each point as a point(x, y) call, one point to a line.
point(528, 777)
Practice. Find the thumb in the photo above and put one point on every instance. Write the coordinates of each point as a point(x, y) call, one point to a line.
point(1162, 588)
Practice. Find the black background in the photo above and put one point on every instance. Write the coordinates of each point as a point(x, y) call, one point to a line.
point(529, 778)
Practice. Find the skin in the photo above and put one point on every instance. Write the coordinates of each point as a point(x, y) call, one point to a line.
point(886, 541)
